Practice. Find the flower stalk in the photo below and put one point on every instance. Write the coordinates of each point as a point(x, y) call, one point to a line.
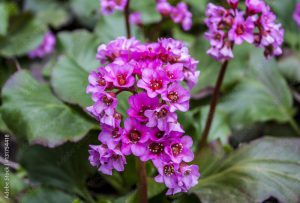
point(141, 169)
point(213, 104)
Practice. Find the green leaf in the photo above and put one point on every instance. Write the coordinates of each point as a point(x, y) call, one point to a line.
point(265, 168)
point(263, 96)
point(48, 12)
point(147, 10)
point(3, 19)
point(24, 34)
point(289, 67)
point(220, 128)
point(81, 46)
point(65, 167)
point(29, 109)
point(69, 81)
point(210, 68)
point(46, 195)
point(70, 74)
point(110, 27)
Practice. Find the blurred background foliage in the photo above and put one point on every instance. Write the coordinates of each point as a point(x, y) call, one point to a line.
point(254, 151)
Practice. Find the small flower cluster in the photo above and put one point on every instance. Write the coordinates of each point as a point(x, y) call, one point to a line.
point(135, 18)
point(109, 6)
point(296, 14)
point(155, 74)
point(179, 13)
point(256, 25)
point(45, 48)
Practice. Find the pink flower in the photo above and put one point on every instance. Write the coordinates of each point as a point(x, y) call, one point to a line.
point(97, 83)
point(164, 8)
point(104, 103)
point(181, 14)
point(153, 81)
point(110, 135)
point(134, 138)
point(109, 6)
point(163, 119)
point(255, 6)
point(120, 75)
point(139, 103)
point(106, 159)
point(116, 48)
point(241, 30)
point(296, 14)
point(177, 96)
point(135, 18)
point(174, 72)
point(179, 150)
point(45, 48)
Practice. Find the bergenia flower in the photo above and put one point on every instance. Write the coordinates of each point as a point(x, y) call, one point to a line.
point(256, 25)
point(139, 103)
point(106, 159)
point(179, 13)
point(45, 48)
point(178, 97)
point(134, 138)
point(153, 81)
point(135, 18)
point(109, 6)
point(155, 74)
point(296, 14)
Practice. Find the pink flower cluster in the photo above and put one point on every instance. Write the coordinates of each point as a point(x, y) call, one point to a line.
point(296, 14)
point(45, 48)
point(179, 14)
point(155, 74)
point(256, 25)
point(109, 6)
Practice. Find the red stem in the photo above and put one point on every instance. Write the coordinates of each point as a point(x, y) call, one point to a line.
point(213, 105)
point(141, 169)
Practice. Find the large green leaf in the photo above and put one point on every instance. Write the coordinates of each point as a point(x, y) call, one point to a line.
point(3, 19)
point(289, 67)
point(263, 96)
point(70, 74)
point(210, 68)
point(29, 109)
point(24, 34)
point(48, 11)
point(69, 81)
point(46, 195)
point(110, 27)
point(65, 167)
point(147, 10)
point(265, 168)
point(81, 46)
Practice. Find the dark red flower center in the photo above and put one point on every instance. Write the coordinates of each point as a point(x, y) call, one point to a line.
point(173, 96)
point(168, 170)
point(121, 79)
point(115, 133)
point(162, 113)
point(160, 134)
point(177, 148)
point(134, 136)
point(107, 101)
point(117, 116)
point(101, 82)
point(240, 29)
point(156, 84)
point(156, 148)
point(187, 172)
point(143, 109)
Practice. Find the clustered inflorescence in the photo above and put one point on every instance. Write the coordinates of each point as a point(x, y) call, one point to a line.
point(296, 14)
point(156, 74)
point(256, 25)
point(179, 13)
point(45, 48)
